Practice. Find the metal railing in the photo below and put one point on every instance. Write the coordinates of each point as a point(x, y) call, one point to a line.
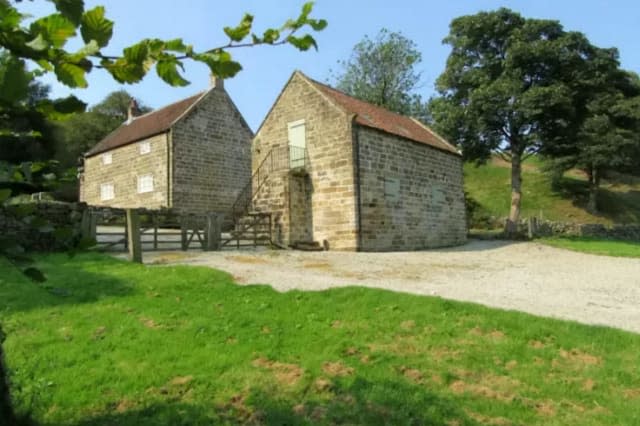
point(277, 159)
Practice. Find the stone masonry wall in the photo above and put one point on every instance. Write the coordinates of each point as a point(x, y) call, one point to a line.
point(212, 158)
point(411, 194)
point(330, 183)
point(126, 165)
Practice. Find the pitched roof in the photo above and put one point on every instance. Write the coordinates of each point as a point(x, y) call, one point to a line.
point(379, 118)
point(146, 125)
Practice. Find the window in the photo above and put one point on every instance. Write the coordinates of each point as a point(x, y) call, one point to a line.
point(145, 183)
point(107, 192)
point(107, 158)
point(297, 144)
point(145, 147)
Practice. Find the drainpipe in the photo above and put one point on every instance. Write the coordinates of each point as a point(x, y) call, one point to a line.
point(169, 169)
point(356, 181)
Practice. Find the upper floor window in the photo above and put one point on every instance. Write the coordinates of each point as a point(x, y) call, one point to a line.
point(107, 192)
point(145, 183)
point(107, 158)
point(145, 147)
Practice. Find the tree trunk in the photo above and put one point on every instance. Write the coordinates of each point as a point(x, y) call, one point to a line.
point(594, 184)
point(7, 416)
point(511, 227)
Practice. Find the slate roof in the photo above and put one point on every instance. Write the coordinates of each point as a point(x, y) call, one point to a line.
point(144, 126)
point(369, 115)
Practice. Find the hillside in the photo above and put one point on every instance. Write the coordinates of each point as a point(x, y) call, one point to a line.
point(489, 186)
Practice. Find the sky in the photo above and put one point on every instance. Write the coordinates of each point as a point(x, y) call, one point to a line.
point(612, 23)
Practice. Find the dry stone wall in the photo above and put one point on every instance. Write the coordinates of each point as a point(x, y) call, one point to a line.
point(411, 195)
point(212, 159)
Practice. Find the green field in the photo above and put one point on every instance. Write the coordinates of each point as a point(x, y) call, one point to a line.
point(489, 185)
point(595, 246)
point(105, 342)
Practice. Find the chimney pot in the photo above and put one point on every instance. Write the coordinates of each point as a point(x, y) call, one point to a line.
point(216, 81)
point(133, 110)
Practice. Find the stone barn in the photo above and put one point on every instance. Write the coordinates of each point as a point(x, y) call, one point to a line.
point(192, 156)
point(341, 173)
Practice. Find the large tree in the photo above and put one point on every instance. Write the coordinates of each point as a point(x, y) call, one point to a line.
point(383, 71)
point(513, 86)
point(42, 40)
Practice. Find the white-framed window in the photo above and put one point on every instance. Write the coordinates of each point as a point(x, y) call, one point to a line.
point(145, 147)
point(145, 183)
point(107, 192)
point(107, 158)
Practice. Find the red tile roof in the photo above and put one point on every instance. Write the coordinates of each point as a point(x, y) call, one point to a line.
point(376, 117)
point(144, 126)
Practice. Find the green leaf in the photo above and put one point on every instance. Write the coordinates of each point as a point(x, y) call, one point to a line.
point(270, 36)
point(94, 26)
point(242, 30)
point(177, 45)
point(88, 49)
point(220, 63)
point(4, 194)
point(38, 43)
point(167, 69)
point(71, 74)
point(34, 274)
point(317, 24)
point(70, 9)
point(303, 43)
point(137, 53)
point(69, 105)
point(55, 29)
point(14, 81)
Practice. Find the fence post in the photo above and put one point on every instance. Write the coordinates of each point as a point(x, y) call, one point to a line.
point(183, 233)
point(155, 230)
point(134, 244)
point(213, 230)
point(88, 225)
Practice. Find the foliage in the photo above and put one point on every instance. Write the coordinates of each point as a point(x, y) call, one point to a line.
point(383, 72)
point(515, 86)
point(43, 41)
point(83, 131)
point(248, 354)
point(596, 246)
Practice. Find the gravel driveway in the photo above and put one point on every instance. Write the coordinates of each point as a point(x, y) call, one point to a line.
point(524, 276)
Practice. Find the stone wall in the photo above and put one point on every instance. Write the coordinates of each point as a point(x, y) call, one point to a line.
point(59, 215)
point(211, 156)
point(127, 163)
point(411, 195)
point(330, 182)
point(541, 228)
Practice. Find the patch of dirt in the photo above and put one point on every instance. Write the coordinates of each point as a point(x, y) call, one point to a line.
point(494, 334)
point(124, 405)
point(286, 374)
point(149, 323)
point(500, 388)
point(436, 378)
point(412, 374)
point(298, 409)
point(316, 265)
point(265, 330)
point(546, 408)
point(252, 260)
point(407, 325)
point(444, 353)
point(170, 258)
point(180, 380)
point(337, 369)
point(99, 333)
point(536, 344)
point(579, 357)
point(322, 384)
point(588, 385)
point(401, 345)
point(511, 364)
point(631, 393)
point(336, 324)
point(487, 420)
point(351, 351)
point(365, 359)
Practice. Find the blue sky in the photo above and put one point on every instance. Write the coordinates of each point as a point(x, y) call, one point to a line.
point(614, 23)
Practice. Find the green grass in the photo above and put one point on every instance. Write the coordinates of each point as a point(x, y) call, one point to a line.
point(596, 246)
point(105, 342)
point(490, 186)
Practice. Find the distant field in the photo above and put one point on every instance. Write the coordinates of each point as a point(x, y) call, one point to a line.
point(489, 185)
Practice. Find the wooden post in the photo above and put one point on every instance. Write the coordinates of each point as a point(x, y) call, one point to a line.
point(155, 230)
point(183, 234)
point(214, 230)
point(88, 225)
point(134, 244)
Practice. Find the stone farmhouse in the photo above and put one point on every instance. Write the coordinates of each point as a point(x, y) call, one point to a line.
point(192, 156)
point(341, 173)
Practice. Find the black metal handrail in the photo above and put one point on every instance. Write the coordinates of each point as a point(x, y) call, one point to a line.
point(278, 158)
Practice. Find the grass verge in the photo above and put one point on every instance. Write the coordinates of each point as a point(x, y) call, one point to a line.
point(595, 246)
point(107, 342)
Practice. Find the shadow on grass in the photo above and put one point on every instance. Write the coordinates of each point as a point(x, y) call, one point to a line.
point(68, 283)
point(362, 402)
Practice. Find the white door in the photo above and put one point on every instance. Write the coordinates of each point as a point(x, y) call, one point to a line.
point(297, 144)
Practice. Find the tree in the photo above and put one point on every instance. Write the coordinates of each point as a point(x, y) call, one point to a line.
point(383, 72)
point(513, 86)
point(83, 130)
point(43, 42)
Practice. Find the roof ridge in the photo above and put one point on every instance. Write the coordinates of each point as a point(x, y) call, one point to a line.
point(146, 114)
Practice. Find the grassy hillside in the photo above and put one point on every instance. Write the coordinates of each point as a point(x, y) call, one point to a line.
point(489, 186)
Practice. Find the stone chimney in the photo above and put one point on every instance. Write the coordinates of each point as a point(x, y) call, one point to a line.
point(133, 110)
point(216, 82)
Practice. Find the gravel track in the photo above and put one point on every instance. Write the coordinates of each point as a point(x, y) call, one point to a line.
point(523, 276)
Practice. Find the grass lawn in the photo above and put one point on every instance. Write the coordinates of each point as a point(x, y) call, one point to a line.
point(595, 246)
point(105, 342)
